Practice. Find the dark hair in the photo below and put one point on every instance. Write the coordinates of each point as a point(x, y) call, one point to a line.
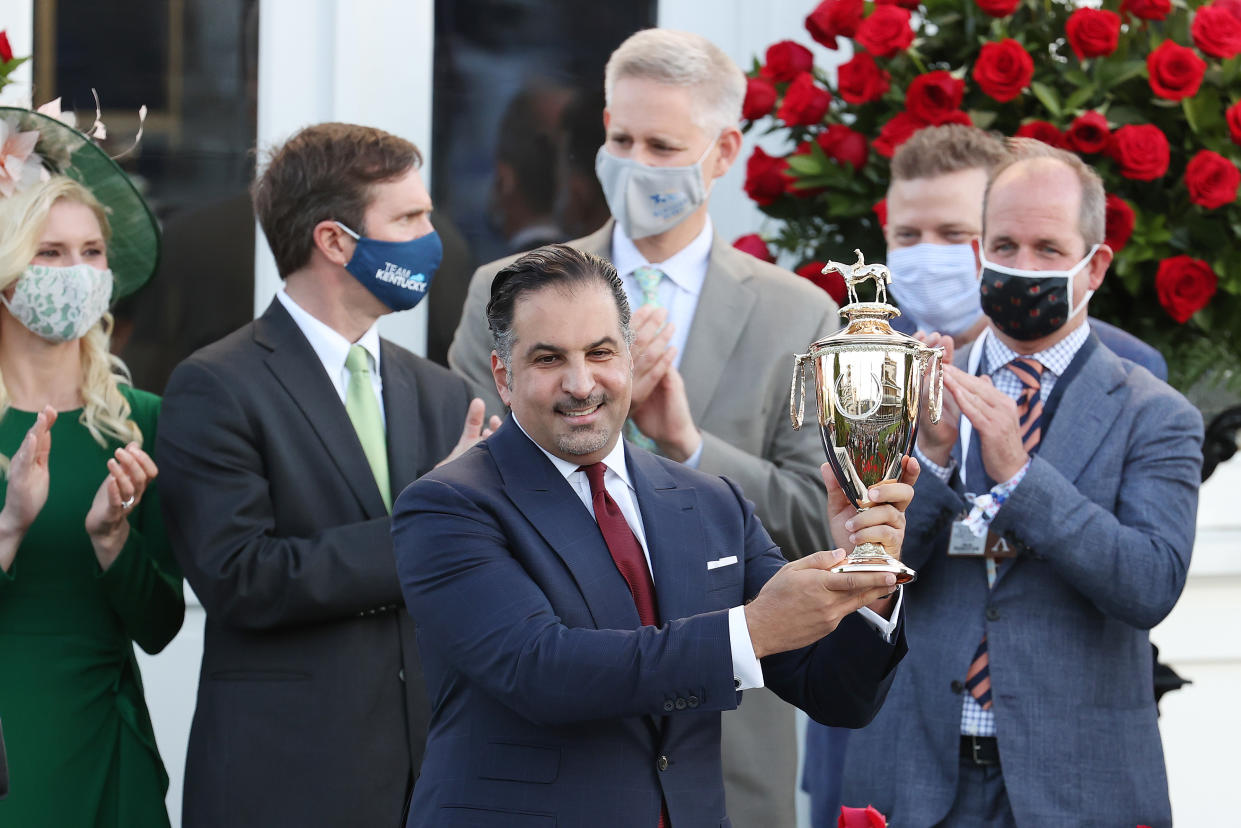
point(554, 265)
point(324, 173)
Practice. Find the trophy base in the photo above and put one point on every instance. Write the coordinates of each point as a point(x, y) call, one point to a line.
point(872, 558)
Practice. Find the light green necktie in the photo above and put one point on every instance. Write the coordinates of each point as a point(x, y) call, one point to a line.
point(648, 279)
point(363, 410)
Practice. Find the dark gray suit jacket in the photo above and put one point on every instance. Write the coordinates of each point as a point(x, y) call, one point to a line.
point(1103, 524)
point(311, 706)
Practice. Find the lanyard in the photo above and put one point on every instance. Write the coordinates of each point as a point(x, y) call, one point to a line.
point(973, 361)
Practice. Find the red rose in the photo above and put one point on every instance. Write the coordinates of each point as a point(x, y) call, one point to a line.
point(1211, 179)
point(866, 817)
point(1119, 223)
point(1147, 9)
point(1041, 131)
point(1003, 69)
point(764, 177)
point(998, 8)
point(1141, 150)
point(860, 80)
point(834, 17)
point(1184, 285)
point(844, 145)
point(786, 60)
point(887, 31)
point(1093, 32)
point(832, 282)
point(760, 97)
point(1088, 133)
point(1175, 71)
point(934, 95)
point(753, 244)
point(1216, 32)
point(1233, 7)
point(1233, 116)
point(6, 51)
point(958, 117)
point(896, 132)
point(805, 102)
point(881, 211)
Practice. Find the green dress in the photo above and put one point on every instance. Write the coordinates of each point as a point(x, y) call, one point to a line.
point(81, 749)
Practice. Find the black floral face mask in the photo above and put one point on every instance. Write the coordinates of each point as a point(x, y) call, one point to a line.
point(1030, 304)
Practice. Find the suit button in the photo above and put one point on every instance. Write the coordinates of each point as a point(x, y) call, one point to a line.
point(668, 706)
point(662, 763)
point(993, 614)
point(680, 705)
point(956, 686)
point(693, 701)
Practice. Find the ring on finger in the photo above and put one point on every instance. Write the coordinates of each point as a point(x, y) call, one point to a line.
point(128, 503)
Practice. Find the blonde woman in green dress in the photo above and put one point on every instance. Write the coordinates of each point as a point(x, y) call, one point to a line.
point(85, 567)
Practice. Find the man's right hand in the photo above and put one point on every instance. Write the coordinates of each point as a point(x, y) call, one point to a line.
point(651, 355)
point(935, 440)
point(804, 602)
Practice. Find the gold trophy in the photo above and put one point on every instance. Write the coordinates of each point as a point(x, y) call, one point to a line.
point(868, 381)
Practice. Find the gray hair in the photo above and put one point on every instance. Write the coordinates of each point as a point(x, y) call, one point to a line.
point(682, 59)
point(1091, 212)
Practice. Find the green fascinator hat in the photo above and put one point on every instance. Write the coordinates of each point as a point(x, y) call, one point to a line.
point(37, 144)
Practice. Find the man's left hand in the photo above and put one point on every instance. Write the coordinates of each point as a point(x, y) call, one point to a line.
point(994, 416)
point(664, 417)
point(882, 523)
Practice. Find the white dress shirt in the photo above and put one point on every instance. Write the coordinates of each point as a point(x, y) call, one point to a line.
point(332, 349)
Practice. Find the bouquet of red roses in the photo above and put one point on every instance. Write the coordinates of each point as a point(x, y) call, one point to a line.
point(1146, 92)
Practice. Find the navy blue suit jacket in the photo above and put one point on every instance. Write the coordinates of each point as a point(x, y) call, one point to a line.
point(551, 704)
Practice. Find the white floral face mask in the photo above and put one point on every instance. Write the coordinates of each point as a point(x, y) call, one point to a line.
point(60, 303)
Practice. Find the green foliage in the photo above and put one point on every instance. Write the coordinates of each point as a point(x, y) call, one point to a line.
point(828, 212)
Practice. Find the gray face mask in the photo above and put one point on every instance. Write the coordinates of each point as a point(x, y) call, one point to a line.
point(645, 200)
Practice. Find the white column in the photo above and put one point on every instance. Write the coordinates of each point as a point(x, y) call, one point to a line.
point(363, 61)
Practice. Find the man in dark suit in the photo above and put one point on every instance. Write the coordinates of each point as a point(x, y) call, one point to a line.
point(1028, 697)
point(582, 603)
point(280, 448)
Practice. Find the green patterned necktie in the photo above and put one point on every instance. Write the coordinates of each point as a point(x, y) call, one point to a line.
point(363, 409)
point(648, 279)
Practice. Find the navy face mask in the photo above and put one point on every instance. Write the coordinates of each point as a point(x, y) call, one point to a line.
point(397, 273)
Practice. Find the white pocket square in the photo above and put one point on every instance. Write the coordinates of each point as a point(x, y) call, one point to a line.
point(728, 561)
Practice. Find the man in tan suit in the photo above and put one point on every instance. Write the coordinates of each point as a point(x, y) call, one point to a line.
point(715, 333)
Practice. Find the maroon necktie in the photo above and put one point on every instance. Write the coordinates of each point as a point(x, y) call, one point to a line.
point(624, 546)
point(628, 557)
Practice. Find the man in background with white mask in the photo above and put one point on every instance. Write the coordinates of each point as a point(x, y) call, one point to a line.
point(1027, 696)
point(714, 330)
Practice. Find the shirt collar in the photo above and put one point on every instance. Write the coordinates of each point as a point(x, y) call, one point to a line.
point(615, 461)
point(687, 268)
point(1055, 359)
point(328, 344)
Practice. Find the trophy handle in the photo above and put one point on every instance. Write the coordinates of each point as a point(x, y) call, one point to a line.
point(797, 396)
point(935, 389)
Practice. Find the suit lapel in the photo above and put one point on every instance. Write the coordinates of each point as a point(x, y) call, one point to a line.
point(672, 525)
point(1087, 410)
point(723, 308)
point(405, 446)
point(548, 501)
point(297, 368)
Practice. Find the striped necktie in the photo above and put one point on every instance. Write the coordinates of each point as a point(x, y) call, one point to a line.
point(1030, 419)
